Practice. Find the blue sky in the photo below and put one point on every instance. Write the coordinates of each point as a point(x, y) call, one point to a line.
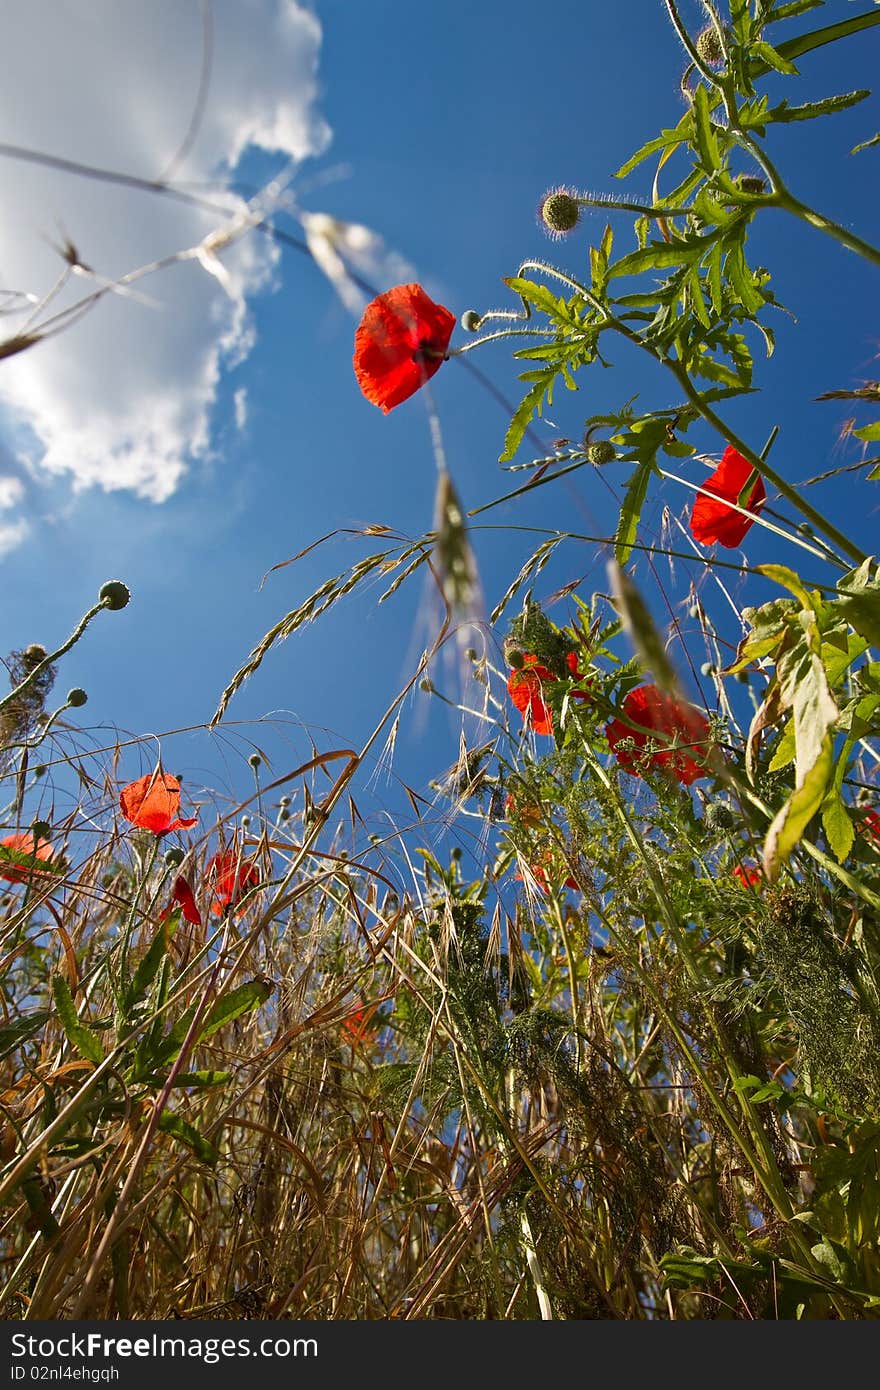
point(439, 127)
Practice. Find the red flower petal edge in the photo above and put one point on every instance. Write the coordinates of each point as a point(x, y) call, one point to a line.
point(22, 842)
point(182, 896)
point(524, 687)
point(399, 344)
point(230, 877)
point(152, 803)
point(712, 518)
point(658, 713)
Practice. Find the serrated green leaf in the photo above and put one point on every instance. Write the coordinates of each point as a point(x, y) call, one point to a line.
point(657, 255)
point(531, 403)
point(773, 58)
point(789, 824)
point(232, 1005)
point(635, 492)
point(80, 1037)
point(181, 1129)
point(704, 135)
point(828, 106)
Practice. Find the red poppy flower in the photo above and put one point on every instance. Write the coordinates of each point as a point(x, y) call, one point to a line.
point(749, 875)
point(357, 1024)
point(716, 520)
point(525, 690)
point(230, 876)
point(399, 344)
point(660, 714)
point(23, 843)
point(152, 803)
point(182, 896)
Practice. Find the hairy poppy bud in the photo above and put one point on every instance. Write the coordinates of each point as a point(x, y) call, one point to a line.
point(114, 594)
point(174, 857)
point(76, 697)
point(33, 655)
point(41, 830)
point(255, 760)
point(709, 46)
point(470, 320)
point(560, 211)
point(603, 451)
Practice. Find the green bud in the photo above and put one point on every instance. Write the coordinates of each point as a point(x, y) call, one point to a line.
point(174, 857)
point(114, 594)
point(76, 697)
point(470, 321)
point(709, 46)
point(560, 211)
point(255, 760)
point(41, 830)
point(603, 451)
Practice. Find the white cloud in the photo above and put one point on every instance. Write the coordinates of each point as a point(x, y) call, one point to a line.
point(11, 492)
point(12, 534)
point(240, 403)
point(123, 398)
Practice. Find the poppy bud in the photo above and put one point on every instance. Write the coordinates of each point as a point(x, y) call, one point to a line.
point(174, 857)
point(427, 686)
point(603, 451)
point(707, 669)
point(33, 655)
point(114, 594)
point(40, 771)
point(41, 830)
point(560, 211)
point(255, 760)
point(694, 611)
point(76, 697)
point(470, 320)
point(709, 46)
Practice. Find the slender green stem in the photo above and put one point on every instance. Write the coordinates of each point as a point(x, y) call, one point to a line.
point(791, 204)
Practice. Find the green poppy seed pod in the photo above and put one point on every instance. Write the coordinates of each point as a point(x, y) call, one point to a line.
point(285, 814)
point(471, 654)
point(603, 451)
point(114, 594)
point(285, 801)
point(174, 857)
point(426, 685)
point(693, 611)
point(40, 771)
point(707, 669)
point(255, 760)
point(470, 321)
point(456, 853)
point(560, 211)
point(41, 830)
point(245, 822)
point(709, 46)
point(76, 697)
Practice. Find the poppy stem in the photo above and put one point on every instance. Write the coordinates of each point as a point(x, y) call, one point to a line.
point(34, 674)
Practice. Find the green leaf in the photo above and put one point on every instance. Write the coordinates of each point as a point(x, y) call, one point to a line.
point(773, 58)
point(811, 109)
point(704, 133)
point(181, 1129)
point(80, 1037)
point(869, 433)
point(657, 255)
point(862, 611)
point(531, 403)
point(789, 824)
point(634, 499)
point(866, 144)
point(741, 277)
point(232, 1005)
point(784, 752)
point(681, 134)
point(787, 578)
point(30, 862)
point(149, 964)
point(837, 826)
